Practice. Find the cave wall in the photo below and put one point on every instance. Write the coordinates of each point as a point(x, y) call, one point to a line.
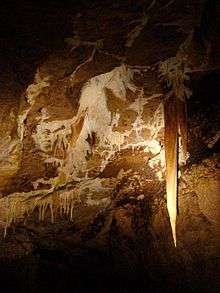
point(83, 170)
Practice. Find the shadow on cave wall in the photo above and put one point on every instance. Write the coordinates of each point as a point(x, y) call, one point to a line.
point(203, 115)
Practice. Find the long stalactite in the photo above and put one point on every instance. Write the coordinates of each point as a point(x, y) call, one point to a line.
point(174, 73)
point(175, 127)
point(171, 153)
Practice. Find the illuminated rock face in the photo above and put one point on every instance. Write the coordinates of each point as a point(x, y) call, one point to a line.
point(86, 143)
point(112, 118)
point(93, 147)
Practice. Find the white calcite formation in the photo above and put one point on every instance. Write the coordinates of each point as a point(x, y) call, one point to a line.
point(32, 92)
point(98, 119)
point(175, 72)
point(53, 140)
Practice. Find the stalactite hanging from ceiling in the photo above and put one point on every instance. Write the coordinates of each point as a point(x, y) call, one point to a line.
point(174, 73)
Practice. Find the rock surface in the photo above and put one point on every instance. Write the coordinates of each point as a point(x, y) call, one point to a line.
point(82, 160)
